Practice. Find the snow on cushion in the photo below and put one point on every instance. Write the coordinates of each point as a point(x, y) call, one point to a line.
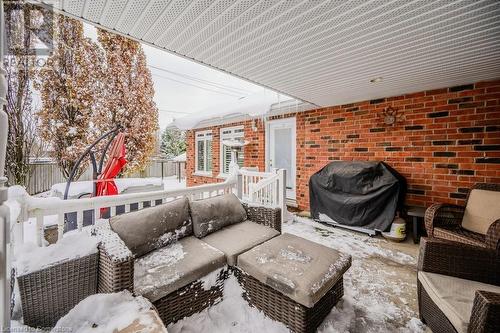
point(453, 296)
point(152, 228)
point(481, 211)
point(213, 214)
point(165, 270)
point(235, 239)
point(298, 268)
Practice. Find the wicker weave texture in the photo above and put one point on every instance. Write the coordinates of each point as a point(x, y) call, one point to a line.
point(49, 294)
point(190, 299)
point(485, 315)
point(459, 260)
point(465, 262)
point(444, 221)
point(461, 235)
point(114, 275)
point(268, 216)
point(431, 315)
point(295, 316)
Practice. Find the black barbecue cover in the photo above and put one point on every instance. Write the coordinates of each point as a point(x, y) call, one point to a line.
point(357, 193)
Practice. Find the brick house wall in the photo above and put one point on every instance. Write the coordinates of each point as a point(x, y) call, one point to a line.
point(446, 140)
point(254, 151)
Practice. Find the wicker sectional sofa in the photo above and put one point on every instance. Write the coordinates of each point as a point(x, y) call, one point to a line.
point(179, 254)
point(155, 253)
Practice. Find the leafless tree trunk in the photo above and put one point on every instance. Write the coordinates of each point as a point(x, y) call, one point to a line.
point(22, 136)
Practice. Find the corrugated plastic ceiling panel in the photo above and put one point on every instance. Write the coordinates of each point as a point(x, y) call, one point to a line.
point(323, 52)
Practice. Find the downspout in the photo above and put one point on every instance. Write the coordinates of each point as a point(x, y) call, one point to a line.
point(4, 210)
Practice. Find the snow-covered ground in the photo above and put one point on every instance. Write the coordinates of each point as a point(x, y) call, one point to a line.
point(380, 287)
point(123, 184)
point(379, 290)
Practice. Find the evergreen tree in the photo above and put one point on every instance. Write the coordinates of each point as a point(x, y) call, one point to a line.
point(173, 142)
point(128, 99)
point(71, 89)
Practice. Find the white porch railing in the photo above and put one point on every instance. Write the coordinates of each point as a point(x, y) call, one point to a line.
point(259, 188)
point(264, 188)
point(39, 208)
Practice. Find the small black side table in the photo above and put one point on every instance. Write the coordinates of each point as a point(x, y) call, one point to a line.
point(415, 212)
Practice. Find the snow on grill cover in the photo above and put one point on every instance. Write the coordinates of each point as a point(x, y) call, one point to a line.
point(357, 193)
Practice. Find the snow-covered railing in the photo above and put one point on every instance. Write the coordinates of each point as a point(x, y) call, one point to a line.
point(248, 178)
point(264, 188)
point(41, 208)
point(259, 188)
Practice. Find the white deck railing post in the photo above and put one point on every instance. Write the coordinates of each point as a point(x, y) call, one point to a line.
point(239, 186)
point(282, 193)
point(4, 210)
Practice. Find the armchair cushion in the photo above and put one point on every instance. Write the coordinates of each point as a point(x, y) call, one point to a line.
point(165, 270)
point(212, 214)
point(152, 228)
point(235, 239)
point(454, 296)
point(481, 211)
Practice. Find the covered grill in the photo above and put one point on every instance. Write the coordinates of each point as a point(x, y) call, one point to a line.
point(357, 194)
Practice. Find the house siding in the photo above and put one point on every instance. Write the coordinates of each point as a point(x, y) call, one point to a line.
point(446, 140)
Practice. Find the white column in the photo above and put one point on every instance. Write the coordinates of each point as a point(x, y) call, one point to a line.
point(4, 210)
point(282, 194)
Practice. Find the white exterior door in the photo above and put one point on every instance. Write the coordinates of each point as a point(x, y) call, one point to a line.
point(280, 154)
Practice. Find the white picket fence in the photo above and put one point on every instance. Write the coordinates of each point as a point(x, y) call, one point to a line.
point(259, 188)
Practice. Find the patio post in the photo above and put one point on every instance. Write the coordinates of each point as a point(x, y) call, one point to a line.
point(4, 210)
point(282, 193)
point(239, 186)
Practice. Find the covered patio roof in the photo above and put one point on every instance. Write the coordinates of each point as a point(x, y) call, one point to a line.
point(322, 52)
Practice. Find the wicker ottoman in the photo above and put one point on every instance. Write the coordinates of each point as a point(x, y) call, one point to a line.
point(293, 280)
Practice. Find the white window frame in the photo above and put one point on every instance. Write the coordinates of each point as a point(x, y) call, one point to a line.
point(202, 136)
point(224, 136)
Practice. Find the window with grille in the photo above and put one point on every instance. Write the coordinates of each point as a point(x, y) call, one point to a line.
point(203, 151)
point(231, 133)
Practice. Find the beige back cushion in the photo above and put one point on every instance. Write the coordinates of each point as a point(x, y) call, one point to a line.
point(151, 228)
point(212, 214)
point(483, 208)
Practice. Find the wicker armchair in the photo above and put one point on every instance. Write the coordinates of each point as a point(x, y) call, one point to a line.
point(462, 261)
point(445, 221)
point(116, 272)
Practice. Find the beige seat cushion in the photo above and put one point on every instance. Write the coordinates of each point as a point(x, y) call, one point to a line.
point(154, 227)
point(453, 296)
point(483, 208)
point(165, 270)
point(298, 268)
point(212, 214)
point(238, 238)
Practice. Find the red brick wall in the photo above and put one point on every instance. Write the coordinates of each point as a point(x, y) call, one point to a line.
point(254, 151)
point(447, 140)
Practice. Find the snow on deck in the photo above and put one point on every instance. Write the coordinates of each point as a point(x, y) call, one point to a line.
point(380, 290)
point(380, 287)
